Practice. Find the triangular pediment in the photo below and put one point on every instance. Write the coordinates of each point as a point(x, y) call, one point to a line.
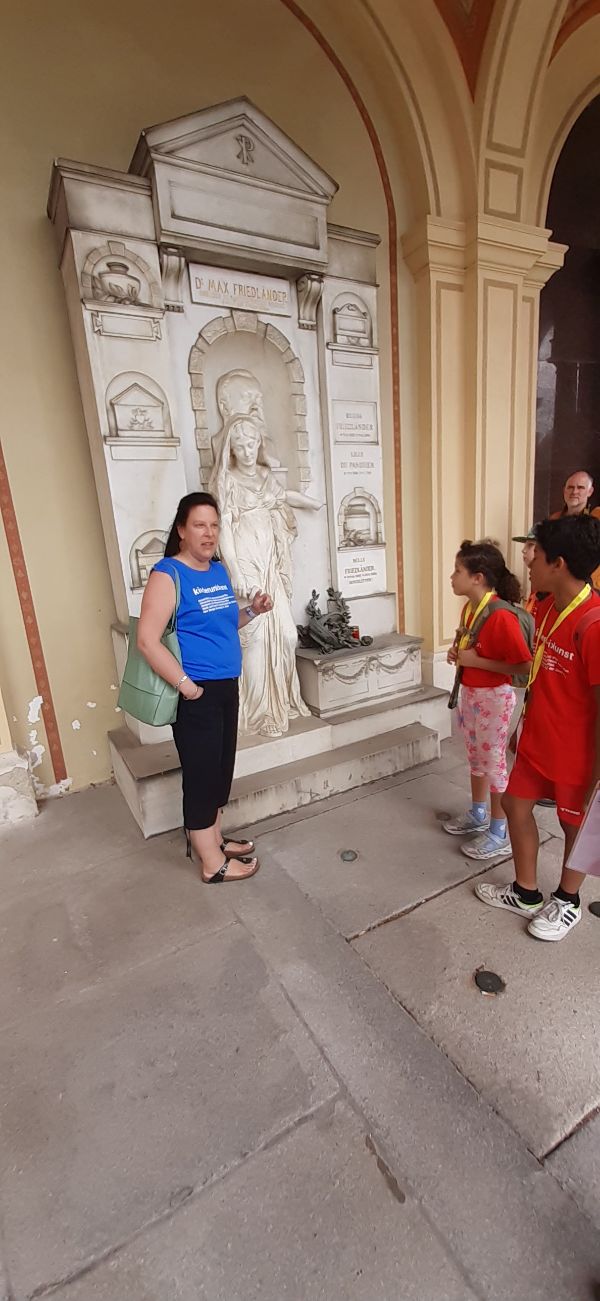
point(234, 139)
point(136, 396)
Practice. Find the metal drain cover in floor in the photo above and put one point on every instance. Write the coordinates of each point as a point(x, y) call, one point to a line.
point(489, 982)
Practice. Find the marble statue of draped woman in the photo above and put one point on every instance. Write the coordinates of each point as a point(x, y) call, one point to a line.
point(258, 528)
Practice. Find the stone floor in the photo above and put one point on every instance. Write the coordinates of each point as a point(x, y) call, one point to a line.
point(292, 1089)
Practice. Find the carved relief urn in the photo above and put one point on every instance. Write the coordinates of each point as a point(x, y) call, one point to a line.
point(118, 283)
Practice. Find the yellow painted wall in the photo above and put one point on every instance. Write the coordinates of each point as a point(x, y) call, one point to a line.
point(81, 81)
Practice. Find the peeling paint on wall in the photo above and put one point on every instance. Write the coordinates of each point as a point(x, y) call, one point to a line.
point(52, 792)
point(33, 714)
point(91, 704)
point(76, 725)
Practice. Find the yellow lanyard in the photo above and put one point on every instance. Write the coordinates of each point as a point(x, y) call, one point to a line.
point(474, 615)
point(540, 641)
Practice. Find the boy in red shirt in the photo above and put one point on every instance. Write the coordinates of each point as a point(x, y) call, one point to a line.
point(558, 753)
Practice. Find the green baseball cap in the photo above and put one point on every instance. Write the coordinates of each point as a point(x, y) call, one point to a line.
point(528, 537)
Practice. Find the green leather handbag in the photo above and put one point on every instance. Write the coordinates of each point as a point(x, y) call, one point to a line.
point(144, 694)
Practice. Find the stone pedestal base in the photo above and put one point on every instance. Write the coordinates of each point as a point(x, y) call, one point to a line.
point(17, 800)
point(334, 684)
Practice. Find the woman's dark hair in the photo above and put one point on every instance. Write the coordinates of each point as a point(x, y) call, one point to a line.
point(185, 506)
point(574, 537)
point(486, 558)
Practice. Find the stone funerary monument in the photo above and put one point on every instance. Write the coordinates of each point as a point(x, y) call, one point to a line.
point(226, 337)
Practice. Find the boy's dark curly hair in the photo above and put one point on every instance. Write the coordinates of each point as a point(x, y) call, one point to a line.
point(574, 537)
point(486, 558)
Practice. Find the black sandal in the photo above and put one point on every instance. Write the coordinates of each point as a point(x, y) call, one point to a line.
point(240, 857)
point(248, 849)
point(221, 875)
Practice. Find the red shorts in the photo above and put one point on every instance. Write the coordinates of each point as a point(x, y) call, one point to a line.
point(526, 783)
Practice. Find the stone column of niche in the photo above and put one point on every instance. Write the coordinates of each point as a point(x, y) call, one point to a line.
point(17, 799)
point(434, 252)
point(352, 426)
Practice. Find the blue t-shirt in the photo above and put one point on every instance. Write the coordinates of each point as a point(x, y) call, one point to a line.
point(207, 621)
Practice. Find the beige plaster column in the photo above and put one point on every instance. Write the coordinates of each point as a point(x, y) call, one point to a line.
point(507, 265)
point(435, 253)
point(17, 799)
point(478, 287)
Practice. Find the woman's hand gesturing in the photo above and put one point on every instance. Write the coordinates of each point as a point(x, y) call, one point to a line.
point(261, 603)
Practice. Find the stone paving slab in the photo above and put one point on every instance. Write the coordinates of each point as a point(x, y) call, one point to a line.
point(532, 1052)
point(403, 854)
point(116, 1102)
point(89, 926)
point(576, 1165)
point(70, 834)
point(517, 1234)
point(311, 1219)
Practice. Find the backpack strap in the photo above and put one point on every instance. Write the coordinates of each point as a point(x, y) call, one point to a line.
point(590, 617)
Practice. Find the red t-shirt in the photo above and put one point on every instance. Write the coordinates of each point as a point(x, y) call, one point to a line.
point(500, 638)
point(558, 735)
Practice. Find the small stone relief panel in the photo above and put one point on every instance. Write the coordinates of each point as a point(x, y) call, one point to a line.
point(139, 420)
point(352, 326)
point(360, 521)
point(145, 552)
point(114, 275)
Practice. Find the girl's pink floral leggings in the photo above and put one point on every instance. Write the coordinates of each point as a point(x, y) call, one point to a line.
point(484, 714)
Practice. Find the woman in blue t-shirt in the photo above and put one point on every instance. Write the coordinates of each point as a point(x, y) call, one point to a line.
point(205, 731)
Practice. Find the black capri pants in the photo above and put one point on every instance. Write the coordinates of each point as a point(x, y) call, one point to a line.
point(205, 734)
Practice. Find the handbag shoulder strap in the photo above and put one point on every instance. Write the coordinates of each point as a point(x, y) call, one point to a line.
point(172, 624)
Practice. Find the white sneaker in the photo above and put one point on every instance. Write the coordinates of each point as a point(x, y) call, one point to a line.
point(555, 920)
point(504, 896)
point(487, 846)
point(465, 824)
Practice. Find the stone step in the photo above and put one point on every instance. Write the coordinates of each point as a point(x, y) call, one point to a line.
point(315, 736)
point(151, 784)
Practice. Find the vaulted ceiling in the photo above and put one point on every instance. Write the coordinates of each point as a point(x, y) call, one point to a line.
point(468, 22)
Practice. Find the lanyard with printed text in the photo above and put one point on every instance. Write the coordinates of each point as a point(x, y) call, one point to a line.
point(472, 617)
point(541, 641)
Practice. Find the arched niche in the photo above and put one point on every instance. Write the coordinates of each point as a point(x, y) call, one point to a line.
point(113, 273)
point(360, 521)
point(241, 340)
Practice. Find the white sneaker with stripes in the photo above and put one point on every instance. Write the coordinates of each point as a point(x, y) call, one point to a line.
point(486, 846)
point(504, 896)
point(465, 824)
point(555, 920)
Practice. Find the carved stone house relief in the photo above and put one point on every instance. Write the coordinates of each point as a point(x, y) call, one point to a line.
point(146, 551)
point(139, 421)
